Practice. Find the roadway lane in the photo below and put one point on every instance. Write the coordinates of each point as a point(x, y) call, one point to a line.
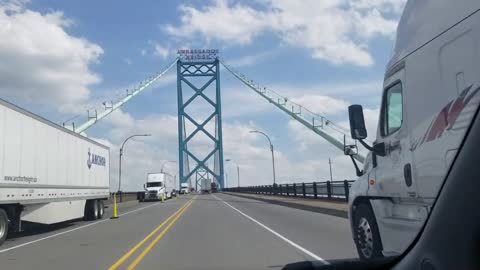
point(212, 235)
point(94, 247)
point(201, 232)
point(39, 232)
point(328, 236)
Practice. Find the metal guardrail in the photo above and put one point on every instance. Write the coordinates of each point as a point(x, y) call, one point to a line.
point(330, 190)
point(123, 196)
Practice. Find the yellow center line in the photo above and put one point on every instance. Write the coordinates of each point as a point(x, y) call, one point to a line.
point(159, 236)
point(137, 246)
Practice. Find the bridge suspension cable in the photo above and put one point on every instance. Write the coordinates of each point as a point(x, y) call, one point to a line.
point(110, 107)
point(317, 123)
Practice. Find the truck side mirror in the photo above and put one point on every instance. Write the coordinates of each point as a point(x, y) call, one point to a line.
point(144, 186)
point(357, 122)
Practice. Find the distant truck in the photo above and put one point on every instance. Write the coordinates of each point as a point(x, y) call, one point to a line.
point(206, 185)
point(158, 185)
point(431, 95)
point(48, 174)
point(184, 188)
point(214, 187)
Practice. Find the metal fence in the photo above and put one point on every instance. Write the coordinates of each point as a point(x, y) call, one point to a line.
point(331, 190)
point(123, 196)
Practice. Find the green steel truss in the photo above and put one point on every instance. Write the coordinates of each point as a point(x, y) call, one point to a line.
point(210, 71)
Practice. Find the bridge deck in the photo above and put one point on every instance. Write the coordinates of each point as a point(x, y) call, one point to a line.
point(218, 231)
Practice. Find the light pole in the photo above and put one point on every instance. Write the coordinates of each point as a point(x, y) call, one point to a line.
point(271, 149)
point(330, 164)
point(120, 161)
point(238, 170)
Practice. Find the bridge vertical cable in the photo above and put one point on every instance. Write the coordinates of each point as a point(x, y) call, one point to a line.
point(334, 134)
point(108, 108)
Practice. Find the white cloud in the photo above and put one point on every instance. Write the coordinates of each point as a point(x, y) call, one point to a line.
point(40, 62)
point(371, 122)
point(239, 23)
point(241, 101)
point(249, 60)
point(330, 99)
point(142, 154)
point(322, 104)
point(161, 51)
point(331, 30)
point(392, 6)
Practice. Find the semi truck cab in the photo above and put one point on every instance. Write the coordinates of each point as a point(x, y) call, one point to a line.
point(184, 189)
point(430, 98)
point(154, 190)
point(159, 185)
point(155, 187)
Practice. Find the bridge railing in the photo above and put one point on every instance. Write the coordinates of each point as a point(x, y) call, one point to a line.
point(329, 190)
point(122, 196)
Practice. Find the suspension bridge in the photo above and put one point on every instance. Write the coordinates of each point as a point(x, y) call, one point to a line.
point(198, 73)
point(213, 231)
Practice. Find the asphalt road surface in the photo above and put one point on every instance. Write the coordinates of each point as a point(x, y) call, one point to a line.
point(191, 232)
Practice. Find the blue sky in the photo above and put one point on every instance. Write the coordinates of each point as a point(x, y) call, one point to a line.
point(322, 54)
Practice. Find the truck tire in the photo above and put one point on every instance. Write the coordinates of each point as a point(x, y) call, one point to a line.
point(96, 210)
point(101, 209)
point(3, 226)
point(366, 234)
point(91, 210)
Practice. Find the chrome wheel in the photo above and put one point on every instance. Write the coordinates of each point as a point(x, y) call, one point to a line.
point(365, 237)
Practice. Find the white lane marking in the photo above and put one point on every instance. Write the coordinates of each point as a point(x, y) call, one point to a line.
point(297, 246)
point(72, 230)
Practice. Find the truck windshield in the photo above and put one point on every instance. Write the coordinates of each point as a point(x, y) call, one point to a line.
point(154, 184)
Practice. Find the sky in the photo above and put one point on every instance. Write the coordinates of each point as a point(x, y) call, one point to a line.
point(60, 58)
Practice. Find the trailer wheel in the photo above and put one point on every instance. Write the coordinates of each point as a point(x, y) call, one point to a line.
point(3, 226)
point(366, 235)
point(101, 209)
point(96, 210)
point(91, 210)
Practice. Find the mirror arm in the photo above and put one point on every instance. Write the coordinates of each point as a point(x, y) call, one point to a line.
point(369, 148)
point(357, 170)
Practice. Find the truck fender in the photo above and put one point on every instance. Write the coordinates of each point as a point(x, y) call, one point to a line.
point(373, 202)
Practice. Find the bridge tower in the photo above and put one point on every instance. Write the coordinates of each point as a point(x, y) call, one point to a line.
point(199, 116)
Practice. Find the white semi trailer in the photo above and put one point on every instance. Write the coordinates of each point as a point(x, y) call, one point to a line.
point(206, 185)
point(48, 174)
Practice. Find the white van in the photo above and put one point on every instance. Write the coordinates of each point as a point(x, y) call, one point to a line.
point(430, 98)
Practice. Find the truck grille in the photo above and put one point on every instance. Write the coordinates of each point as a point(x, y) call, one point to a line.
point(152, 194)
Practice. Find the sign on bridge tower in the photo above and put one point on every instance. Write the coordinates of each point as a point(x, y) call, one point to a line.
point(199, 115)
